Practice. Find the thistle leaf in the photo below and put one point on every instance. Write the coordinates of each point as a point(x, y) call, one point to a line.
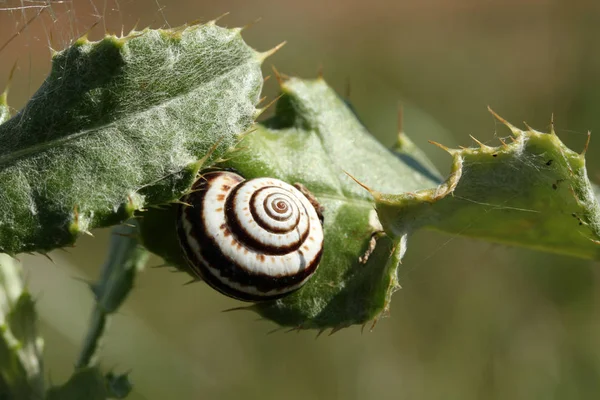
point(119, 125)
point(531, 191)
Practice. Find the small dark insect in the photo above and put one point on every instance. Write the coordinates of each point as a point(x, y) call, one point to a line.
point(549, 163)
point(494, 155)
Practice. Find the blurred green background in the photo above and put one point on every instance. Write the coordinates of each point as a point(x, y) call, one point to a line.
point(473, 321)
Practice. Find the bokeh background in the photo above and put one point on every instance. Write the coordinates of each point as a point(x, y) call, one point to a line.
point(474, 320)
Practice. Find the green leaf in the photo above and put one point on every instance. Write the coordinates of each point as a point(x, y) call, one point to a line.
point(91, 384)
point(315, 139)
point(119, 125)
point(20, 344)
point(532, 192)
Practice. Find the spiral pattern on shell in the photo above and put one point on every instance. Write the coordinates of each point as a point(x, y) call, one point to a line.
point(253, 240)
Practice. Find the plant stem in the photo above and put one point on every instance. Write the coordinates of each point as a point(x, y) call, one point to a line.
point(125, 258)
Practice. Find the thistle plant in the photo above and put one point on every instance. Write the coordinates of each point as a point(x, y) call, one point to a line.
point(122, 127)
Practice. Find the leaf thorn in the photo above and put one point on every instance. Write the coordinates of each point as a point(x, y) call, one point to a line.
point(251, 24)
point(266, 54)
point(183, 203)
point(48, 257)
point(241, 308)
point(348, 88)
point(133, 30)
point(208, 154)
point(587, 144)
point(275, 330)
point(281, 78)
point(84, 37)
point(260, 111)
point(373, 193)
point(192, 23)
point(320, 71)
point(516, 131)
point(214, 21)
point(194, 280)
point(4, 94)
point(400, 119)
point(375, 320)
point(337, 329)
point(481, 145)
point(441, 146)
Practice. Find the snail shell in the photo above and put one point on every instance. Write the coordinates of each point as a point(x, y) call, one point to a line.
point(253, 240)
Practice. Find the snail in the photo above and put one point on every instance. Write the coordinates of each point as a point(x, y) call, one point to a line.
point(253, 240)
